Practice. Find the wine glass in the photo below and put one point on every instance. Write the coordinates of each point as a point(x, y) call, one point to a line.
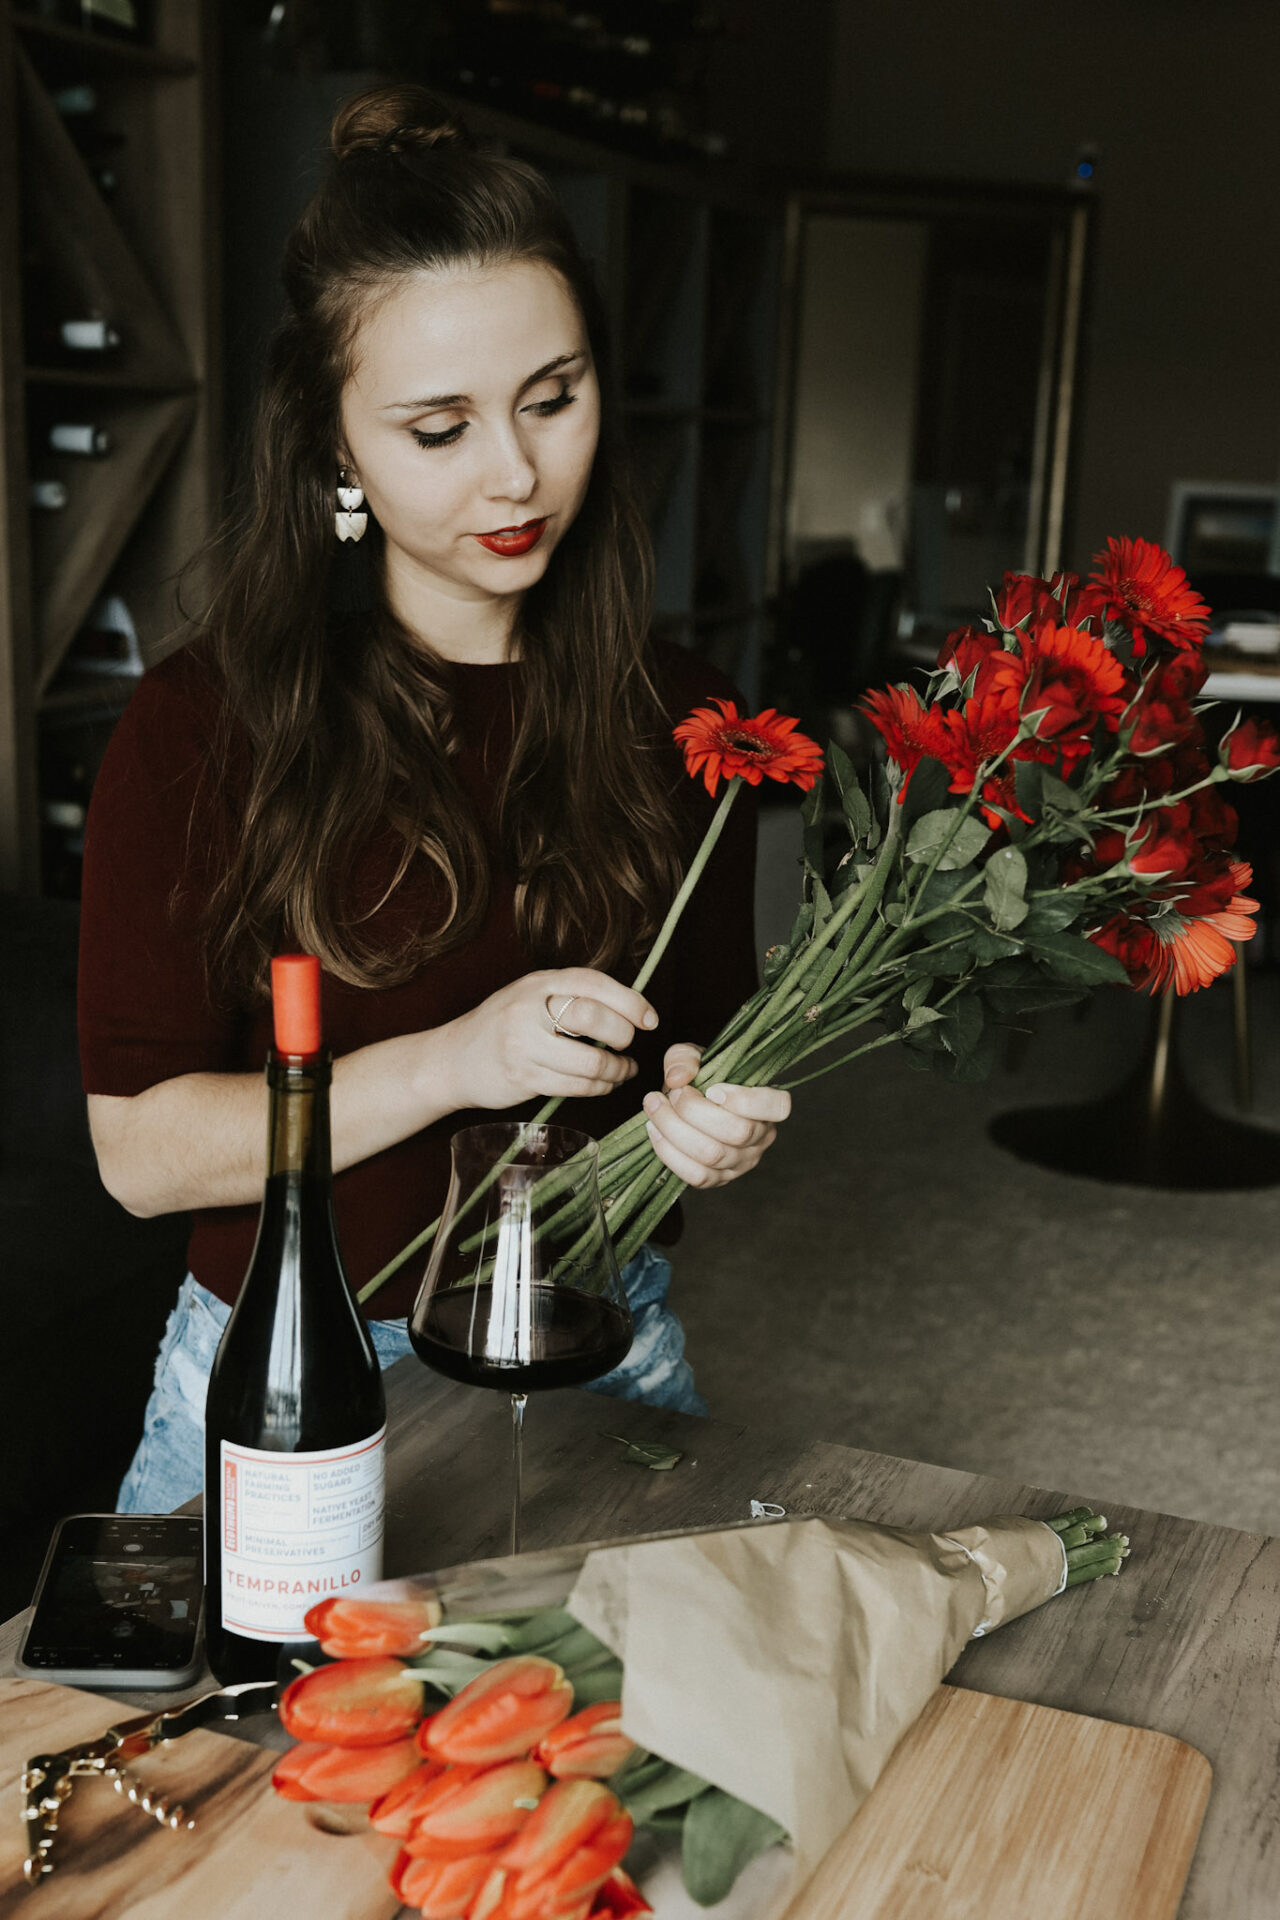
point(522, 1289)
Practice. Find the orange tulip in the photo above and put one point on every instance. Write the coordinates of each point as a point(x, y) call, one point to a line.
point(500, 1714)
point(566, 1852)
point(352, 1775)
point(372, 1629)
point(440, 1889)
point(620, 1897)
point(469, 1810)
point(395, 1811)
point(591, 1743)
point(354, 1703)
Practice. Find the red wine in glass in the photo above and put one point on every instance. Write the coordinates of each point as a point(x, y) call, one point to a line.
point(522, 1290)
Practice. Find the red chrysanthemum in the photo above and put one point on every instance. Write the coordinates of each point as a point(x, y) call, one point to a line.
point(728, 745)
point(1142, 589)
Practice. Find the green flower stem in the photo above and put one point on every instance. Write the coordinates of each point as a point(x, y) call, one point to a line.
point(1077, 1514)
point(843, 1060)
point(638, 985)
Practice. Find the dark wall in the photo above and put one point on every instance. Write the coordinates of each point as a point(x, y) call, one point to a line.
point(1180, 96)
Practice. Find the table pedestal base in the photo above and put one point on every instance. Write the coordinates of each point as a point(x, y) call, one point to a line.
point(1152, 1131)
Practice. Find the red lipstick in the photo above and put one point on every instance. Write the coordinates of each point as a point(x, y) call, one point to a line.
point(513, 539)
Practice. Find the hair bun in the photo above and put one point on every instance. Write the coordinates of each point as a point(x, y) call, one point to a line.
point(401, 118)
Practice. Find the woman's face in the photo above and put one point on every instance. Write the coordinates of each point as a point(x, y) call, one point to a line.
point(470, 419)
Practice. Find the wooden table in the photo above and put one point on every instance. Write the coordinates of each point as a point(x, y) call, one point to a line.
point(1184, 1641)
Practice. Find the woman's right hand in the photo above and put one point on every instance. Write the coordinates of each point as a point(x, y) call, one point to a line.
point(507, 1050)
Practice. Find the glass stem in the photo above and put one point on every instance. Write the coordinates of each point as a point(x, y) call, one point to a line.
point(517, 1464)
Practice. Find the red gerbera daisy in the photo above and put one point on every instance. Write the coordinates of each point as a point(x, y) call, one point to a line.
point(1141, 588)
point(909, 729)
point(731, 745)
point(1070, 681)
point(1178, 951)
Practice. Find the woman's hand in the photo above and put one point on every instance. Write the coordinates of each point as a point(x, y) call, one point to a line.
point(507, 1049)
point(708, 1139)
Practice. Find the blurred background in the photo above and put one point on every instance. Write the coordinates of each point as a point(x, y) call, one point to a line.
point(902, 296)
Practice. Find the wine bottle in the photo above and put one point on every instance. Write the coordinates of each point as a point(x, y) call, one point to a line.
point(295, 1419)
point(77, 436)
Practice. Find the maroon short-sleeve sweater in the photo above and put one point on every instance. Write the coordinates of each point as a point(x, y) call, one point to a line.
point(147, 1014)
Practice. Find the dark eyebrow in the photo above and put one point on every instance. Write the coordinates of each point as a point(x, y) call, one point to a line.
point(464, 399)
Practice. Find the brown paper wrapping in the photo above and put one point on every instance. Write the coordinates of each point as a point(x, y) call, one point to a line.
point(785, 1662)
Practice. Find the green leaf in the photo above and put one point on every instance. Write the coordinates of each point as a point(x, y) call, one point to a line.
point(851, 872)
point(775, 963)
point(803, 925)
point(1058, 795)
point(1050, 914)
point(821, 902)
point(1028, 777)
point(933, 830)
point(646, 1453)
point(940, 888)
point(857, 808)
point(921, 1017)
point(1078, 962)
point(916, 993)
point(811, 813)
point(928, 789)
point(989, 947)
point(1004, 888)
point(946, 962)
point(975, 1065)
point(671, 1787)
point(722, 1836)
point(962, 1024)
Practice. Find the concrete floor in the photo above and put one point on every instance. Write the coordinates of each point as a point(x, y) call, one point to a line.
point(892, 1279)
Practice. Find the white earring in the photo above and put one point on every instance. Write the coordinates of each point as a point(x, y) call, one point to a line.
point(349, 524)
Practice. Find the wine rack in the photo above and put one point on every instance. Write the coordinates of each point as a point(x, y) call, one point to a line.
point(107, 217)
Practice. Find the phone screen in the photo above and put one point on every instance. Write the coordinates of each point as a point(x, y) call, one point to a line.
point(119, 1595)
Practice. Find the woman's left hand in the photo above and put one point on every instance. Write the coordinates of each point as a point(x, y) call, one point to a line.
point(708, 1139)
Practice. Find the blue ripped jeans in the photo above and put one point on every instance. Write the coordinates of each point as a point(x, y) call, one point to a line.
point(168, 1468)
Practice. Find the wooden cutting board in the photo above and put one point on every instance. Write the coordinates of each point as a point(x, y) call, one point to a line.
point(995, 1810)
point(989, 1810)
point(251, 1855)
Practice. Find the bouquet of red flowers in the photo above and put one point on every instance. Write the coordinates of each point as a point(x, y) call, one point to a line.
point(1047, 819)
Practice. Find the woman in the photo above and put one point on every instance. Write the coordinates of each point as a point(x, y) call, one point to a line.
point(440, 759)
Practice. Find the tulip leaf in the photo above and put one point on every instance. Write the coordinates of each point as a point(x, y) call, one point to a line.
point(1005, 888)
point(671, 1787)
point(595, 1684)
point(447, 1670)
point(722, 1836)
point(933, 830)
point(542, 1630)
point(480, 1636)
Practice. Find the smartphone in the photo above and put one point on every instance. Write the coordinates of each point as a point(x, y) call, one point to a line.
point(118, 1603)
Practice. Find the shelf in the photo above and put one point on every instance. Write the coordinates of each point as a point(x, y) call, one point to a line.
point(105, 378)
point(74, 550)
point(93, 692)
point(92, 51)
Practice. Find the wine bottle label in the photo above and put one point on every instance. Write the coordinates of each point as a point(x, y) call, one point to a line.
point(297, 1528)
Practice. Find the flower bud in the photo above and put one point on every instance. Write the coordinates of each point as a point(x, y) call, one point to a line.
point(581, 1834)
point(351, 1775)
point(1251, 750)
point(372, 1629)
point(502, 1713)
point(354, 1703)
point(620, 1897)
point(440, 1889)
point(396, 1811)
point(591, 1743)
point(469, 1809)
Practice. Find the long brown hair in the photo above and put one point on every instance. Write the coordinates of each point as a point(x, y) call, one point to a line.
point(349, 719)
